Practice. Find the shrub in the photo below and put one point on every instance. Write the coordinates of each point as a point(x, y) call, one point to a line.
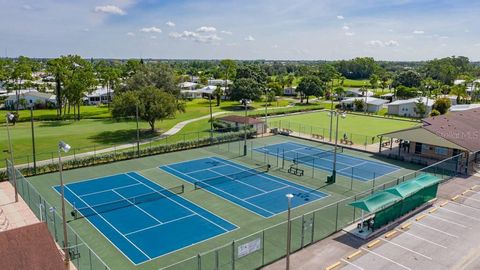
point(434, 113)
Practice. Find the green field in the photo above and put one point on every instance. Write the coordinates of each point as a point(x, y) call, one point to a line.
point(357, 127)
point(248, 223)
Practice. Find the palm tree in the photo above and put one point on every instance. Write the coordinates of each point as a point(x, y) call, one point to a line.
point(218, 92)
point(460, 91)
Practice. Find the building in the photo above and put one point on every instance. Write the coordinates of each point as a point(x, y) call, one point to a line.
point(373, 104)
point(239, 122)
point(289, 91)
point(439, 138)
point(202, 92)
point(99, 96)
point(29, 247)
point(187, 85)
point(357, 92)
point(407, 107)
point(220, 82)
point(31, 98)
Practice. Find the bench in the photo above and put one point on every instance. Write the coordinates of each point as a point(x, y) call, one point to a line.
point(295, 171)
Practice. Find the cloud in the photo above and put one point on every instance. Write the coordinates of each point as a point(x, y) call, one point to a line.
point(476, 44)
point(152, 29)
point(153, 37)
point(226, 32)
point(130, 34)
point(110, 9)
point(27, 7)
point(340, 17)
point(249, 38)
point(194, 36)
point(418, 32)
point(207, 29)
point(170, 24)
point(349, 34)
point(345, 27)
point(380, 44)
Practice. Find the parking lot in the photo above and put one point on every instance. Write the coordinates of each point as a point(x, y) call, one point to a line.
point(444, 236)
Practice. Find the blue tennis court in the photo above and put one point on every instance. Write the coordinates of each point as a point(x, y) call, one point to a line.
point(349, 166)
point(140, 218)
point(252, 189)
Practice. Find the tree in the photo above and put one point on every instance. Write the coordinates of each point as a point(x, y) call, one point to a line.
point(160, 76)
point(310, 86)
point(446, 70)
point(358, 68)
point(254, 72)
point(57, 68)
point(153, 104)
point(359, 105)
point(5, 69)
point(460, 91)
point(403, 92)
point(229, 68)
point(374, 80)
point(442, 105)
point(218, 92)
point(109, 77)
point(275, 87)
point(434, 113)
point(420, 108)
point(246, 88)
point(339, 91)
point(270, 97)
point(407, 78)
point(22, 70)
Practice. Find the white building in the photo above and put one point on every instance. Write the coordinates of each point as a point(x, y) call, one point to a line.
point(220, 82)
point(407, 107)
point(373, 104)
point(202, 92)
point(99, 96)
point(187, 85)
point(289, 91)
point(31, 99)
point(357, 92)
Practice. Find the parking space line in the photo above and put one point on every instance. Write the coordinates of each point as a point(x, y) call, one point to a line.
point(385, 258)
point(449, 221)
point(444, 203)
point(460, 214)
point(352, 264)
point(470, 198)
point(335, 265)
point(435, 229)
point(408, 249)
point(466, 205)
point(354, 254)
point(423, 239)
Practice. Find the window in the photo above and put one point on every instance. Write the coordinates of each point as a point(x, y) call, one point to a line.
point(441, 151)
point(425, 147)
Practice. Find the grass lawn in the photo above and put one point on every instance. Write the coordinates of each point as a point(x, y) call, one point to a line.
point(357, 127)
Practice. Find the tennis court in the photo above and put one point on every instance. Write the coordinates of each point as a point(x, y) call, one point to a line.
point(140, 218)
point(349, 166)
point(253, 189)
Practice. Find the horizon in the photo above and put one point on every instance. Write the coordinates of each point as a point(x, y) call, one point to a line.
point(399, 30)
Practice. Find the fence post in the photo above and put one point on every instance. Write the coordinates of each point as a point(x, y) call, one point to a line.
point(313, 228)
point(263, 247)
point(233, 253)
point(303, 231)
point(199, 261)
point(336, 218)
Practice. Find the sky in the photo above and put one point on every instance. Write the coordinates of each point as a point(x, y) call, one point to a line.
point(405, 30)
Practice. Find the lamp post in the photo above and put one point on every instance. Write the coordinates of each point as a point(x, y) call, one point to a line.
point(366, 97)
point(211, 118)
point(33, 141)
point(289, 230)
point(336, 114)
point(62, 146)
point(138, 131)
point(245, 103)
point(10, 117)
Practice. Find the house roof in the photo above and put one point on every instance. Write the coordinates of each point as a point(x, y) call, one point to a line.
point(359, 91)
point(99, 92)
point(29, 247)
point(33, 94)
point(413, 100)
point(370, 100)
point(421, 135)
point(240, 119)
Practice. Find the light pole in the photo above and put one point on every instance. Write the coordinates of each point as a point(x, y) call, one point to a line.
point(245, 103)
point(334, 171)
point(366, 96)
point(266, 107)
point(10, 117)
point(138, 131)
point(33, 141)
point(289, 230)
point(211, 118)
point(62, 146)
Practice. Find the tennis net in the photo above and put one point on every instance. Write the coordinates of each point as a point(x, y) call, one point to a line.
point(126, 202)
point(304, 158)
point(231, 177)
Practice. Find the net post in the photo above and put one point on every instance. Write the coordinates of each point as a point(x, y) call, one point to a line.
point(277, 156)
point(199, 261)
point(283, 158)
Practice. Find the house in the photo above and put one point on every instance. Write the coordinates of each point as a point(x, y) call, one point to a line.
point(289, 91)
point(99, 96)
point(202, 92)
point(187, 85)
point(373, 104)
point(388, 96)
point(357, 92)
point(29, 99)
point(29, 247)
point(191, 94)
point(408, 107)
point(239, 122)
point(216, 82)
point(441, 137)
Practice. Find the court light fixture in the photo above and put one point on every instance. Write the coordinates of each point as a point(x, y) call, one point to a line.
point(64, 146)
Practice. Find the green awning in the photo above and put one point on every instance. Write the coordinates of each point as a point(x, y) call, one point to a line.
point(405, 189)
point(375, 202)
point(426, 180)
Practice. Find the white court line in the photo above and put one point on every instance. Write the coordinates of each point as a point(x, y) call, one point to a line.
point(113, 227)
point(435, 229)
point(421, 238)
point(205, 169)
point(383, 257)
point(352, 264)
point(107, 190)
point(449, 221)
point(270, 191)
point(411, 250)
point(460, 214)
point(157, 225)
point(138, 207)
point(180, 204)
point(237, 180)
